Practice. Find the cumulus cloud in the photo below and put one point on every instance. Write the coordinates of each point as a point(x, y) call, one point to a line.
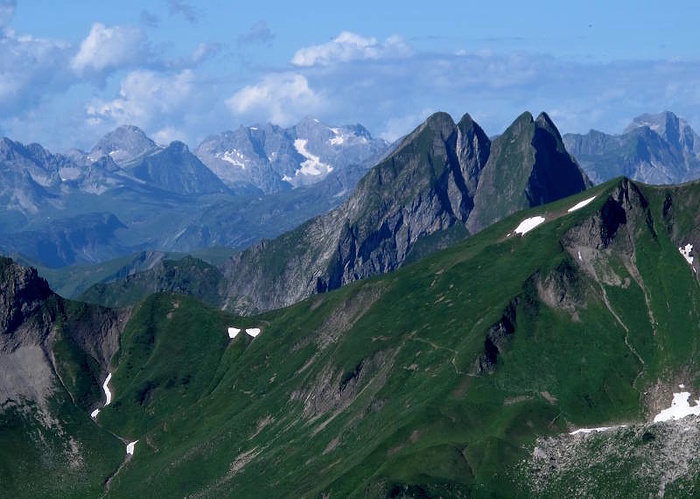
point(279, 97)
point(258, 33)
point(29, 68)
point(108, 48)
point(145, 97)
point(350, 47)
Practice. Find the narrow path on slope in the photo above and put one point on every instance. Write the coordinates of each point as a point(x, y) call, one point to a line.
point(627, 334)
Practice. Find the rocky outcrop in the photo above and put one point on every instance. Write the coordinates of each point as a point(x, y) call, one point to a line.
point(33, 320)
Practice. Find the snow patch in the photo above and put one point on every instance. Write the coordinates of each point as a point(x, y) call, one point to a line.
point(108, 394)
point(580, 205)
point(233, 332)
point(338, 139)
point(579, 255)
point(686, 251)
point(680, 408)
point(681, 386)
point(583, 431)
point(234, 157)
point(253, 128)
point(253, 331)
point(130, 447)
point(313, 164)
point(528, 224)
point(94, 413)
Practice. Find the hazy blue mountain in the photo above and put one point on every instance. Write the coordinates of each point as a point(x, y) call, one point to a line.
point(654, 148)
point(164, 198)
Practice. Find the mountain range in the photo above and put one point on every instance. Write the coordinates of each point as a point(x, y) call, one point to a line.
point(537, 358)
point(130, 194)
point(443, 182)
point(654, 148)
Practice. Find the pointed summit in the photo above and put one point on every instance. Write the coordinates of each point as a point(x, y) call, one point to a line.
point(528, 166)
point(177, 170)
point(124, 144)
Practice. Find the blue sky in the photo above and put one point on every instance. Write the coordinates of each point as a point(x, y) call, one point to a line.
point(71, 71)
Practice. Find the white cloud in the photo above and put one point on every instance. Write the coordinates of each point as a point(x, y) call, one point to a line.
point(396, 127)
point(29, 68)
point(350, 47)
point(166, 135)
point(144, 98)
point(108, 48)
point(279, 97)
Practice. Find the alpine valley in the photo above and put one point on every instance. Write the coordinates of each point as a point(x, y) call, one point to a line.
point(472, 317)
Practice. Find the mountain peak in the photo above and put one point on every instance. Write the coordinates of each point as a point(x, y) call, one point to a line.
point(123, 144)
point(528, 166)
point(659, 122)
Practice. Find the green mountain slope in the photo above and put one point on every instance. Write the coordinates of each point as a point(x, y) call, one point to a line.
point(440, 379)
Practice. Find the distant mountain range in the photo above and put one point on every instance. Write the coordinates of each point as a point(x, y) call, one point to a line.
point(444, 182)
point(130, 194)
point(654, 148)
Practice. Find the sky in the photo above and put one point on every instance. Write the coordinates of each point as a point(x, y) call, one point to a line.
point(182, 70)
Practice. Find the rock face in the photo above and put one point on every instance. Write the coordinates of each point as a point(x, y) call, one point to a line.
point(426, 185)
point(654, 148)
point(33, 319)
point(175, 169)
point(443, 176)
point(271, 158)
point(528, 166)
point(445, 181)
point(124, 145)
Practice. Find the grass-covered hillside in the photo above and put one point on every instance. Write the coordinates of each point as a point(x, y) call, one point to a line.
point(460, 375)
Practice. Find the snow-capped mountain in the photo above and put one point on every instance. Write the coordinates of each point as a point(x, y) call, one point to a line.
point(272, 158)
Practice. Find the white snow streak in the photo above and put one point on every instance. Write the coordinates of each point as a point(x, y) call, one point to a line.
point(528, 224)
point(313, 164)
point(234, 157)
point(584, 431)
point(108, 394)
point(580, 204)
point(680, 408)
point(233, 332)
point(94, 413)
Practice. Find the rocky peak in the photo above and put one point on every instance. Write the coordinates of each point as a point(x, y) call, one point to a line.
point(528, 166)
point(22, 293)
point(124, 144)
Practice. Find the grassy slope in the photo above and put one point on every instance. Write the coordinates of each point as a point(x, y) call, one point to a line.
point(372, 389)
